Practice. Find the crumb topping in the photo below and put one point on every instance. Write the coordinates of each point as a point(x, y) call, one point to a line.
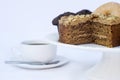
point(74, 19)
point(106, 19)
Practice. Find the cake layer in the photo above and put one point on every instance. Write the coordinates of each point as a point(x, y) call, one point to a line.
point(76, 34)
point(81, 39)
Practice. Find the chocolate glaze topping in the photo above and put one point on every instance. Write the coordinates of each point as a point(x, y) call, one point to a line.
point(55, 20)
point(84, 12)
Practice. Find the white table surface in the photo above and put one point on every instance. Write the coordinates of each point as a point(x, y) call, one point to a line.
point(31, 19)
point(80, 61)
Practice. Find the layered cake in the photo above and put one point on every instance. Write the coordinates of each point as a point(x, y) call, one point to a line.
point(75, 28)
point(106, 24)
point(100, 27)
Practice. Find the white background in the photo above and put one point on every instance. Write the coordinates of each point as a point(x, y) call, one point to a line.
point(31, 19)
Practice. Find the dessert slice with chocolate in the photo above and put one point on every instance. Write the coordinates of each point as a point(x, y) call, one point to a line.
point(76, 29)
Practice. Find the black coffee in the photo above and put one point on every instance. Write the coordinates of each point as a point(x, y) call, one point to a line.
point(34, 43)
point(37, 44)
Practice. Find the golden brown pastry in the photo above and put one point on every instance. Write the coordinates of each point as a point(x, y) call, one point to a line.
point(110, 8)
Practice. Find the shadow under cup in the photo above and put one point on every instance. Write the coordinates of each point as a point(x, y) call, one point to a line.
point(38, 51)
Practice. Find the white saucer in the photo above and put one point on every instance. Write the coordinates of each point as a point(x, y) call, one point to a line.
point(62, 61)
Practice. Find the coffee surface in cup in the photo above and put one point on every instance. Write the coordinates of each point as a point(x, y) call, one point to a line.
point(37, 44)
point(33, 43)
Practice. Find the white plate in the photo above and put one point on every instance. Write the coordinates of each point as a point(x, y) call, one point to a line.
point(62, 61)
point(53, 38)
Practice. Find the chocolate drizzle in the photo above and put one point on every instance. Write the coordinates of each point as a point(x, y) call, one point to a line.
point(84, 12)
point(56, 19)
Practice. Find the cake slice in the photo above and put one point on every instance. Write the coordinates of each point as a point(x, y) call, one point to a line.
point(76, 29)
point(106, 25)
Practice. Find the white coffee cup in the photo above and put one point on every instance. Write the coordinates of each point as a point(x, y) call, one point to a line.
point(37, 51)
